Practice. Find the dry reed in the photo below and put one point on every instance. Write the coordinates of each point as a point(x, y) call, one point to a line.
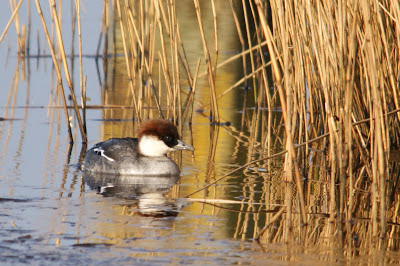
point(15, 12)
point(57, 68)
point(334, 69)
point(337, 69)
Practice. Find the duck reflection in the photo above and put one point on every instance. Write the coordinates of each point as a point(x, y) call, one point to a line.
point(146, 193)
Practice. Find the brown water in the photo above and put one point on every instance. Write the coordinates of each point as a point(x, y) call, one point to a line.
point(52, 214)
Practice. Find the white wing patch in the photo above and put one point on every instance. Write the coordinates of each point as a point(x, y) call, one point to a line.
point(100, 151)
point(104, 189)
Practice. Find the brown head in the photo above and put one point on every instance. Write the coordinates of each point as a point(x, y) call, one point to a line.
point(158, 136)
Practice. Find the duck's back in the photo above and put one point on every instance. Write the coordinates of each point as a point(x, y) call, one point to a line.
point(121, 156)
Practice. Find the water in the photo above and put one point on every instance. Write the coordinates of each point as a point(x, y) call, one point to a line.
point(50, 213)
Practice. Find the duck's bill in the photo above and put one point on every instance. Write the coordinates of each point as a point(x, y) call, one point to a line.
point(182, 146)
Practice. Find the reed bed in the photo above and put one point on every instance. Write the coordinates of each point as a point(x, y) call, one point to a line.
point(330, 68)
point(335, 70)
point(335, 67)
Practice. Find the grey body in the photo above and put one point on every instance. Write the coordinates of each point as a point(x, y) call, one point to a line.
point(121, 156)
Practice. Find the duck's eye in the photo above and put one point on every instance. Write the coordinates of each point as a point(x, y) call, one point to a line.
point(167, 138)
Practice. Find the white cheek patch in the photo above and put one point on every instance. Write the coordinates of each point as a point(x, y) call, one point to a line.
point(100, 151)
point(153, 146)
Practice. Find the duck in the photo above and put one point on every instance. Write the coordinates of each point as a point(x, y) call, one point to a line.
point(145, 155)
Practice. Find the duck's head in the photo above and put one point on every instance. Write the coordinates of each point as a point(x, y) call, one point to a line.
point(159, 136)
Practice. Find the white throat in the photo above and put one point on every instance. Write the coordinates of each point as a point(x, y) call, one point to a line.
point(153, 146)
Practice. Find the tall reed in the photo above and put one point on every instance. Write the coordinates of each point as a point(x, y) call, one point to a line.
point(334, 68)
point(338, 67)
point(60, 42)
